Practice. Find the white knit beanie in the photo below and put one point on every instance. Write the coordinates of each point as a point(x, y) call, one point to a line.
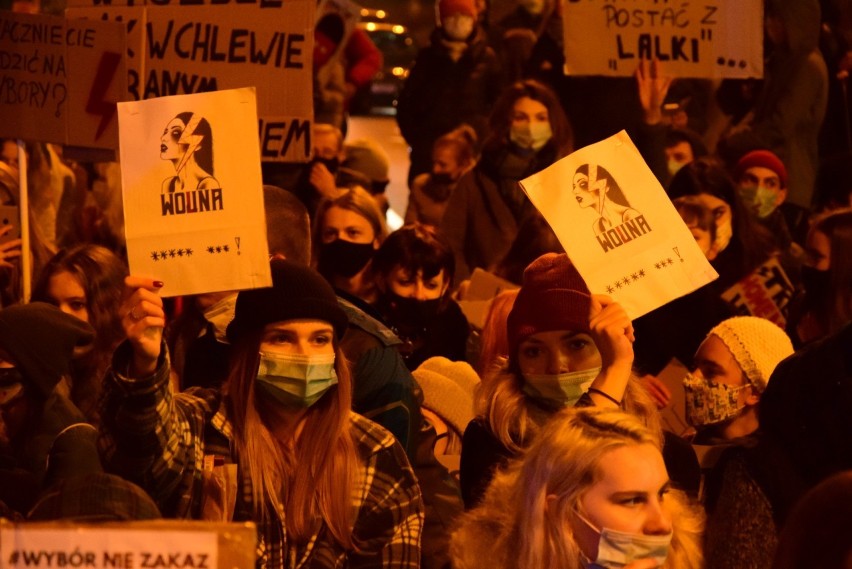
point(757, 345)
point(448, 389)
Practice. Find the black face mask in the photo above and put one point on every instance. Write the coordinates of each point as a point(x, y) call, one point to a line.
point(817, 283)
point(333, 164)
point(442, 178)
point(409, 313)
point(344, 258)
point(439, 187)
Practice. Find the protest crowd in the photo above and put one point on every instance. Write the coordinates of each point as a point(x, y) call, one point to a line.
point(453, 393)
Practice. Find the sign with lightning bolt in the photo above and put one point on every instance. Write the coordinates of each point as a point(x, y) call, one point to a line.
point(61, 79)
point(192, 190)
point(618, 226)
point(176, 47)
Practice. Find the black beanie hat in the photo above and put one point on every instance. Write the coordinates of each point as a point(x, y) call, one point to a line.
point(41, 339)
point(297, 292)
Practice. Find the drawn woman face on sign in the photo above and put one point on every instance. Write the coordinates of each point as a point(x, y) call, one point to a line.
point(187, 141)
point(595, 188)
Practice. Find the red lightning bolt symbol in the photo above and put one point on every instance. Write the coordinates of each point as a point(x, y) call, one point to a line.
point(97, 104)
point(188, 137)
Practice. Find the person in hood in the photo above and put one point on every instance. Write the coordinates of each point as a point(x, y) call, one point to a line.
point(455, 80)
point(790, 109)
point(37, 344)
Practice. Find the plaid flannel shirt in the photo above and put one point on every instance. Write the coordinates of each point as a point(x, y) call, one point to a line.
point(159, 440)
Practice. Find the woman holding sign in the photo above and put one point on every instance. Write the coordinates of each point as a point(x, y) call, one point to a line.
point(188, 142)
point(279, 447)
point(566, 347)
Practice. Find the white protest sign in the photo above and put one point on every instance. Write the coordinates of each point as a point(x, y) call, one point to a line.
point(97, 548)
point(711, 39)
point(193, 195)
point(178, 47)
point(618, 226)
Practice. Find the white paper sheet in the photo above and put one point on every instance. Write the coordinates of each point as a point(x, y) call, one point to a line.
point(194, 222)
point(632, 244)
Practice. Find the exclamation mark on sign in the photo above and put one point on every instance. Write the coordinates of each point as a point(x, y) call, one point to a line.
point(675, 249)
point(237, 240)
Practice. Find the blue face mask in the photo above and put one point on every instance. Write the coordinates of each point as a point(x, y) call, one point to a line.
point(617, 548)
point(296, 380)
point(563, 388)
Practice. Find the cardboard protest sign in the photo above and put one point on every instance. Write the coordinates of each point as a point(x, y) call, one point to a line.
point(712, 39)
point(193, 195)
point(60, 79)
point(618, 226)
point(765, 292)
point(483, 287)
point(176, 48)
point(154, 544)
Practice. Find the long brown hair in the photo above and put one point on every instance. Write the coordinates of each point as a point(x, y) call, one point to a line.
point(311, 476)
point(500, 120)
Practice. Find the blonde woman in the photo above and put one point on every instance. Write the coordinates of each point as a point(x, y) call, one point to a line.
point(347, 232)
point(591, 491)
point(566, 347)
point(280, 447)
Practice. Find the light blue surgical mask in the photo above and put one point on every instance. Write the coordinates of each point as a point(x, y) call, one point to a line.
point(296, 380)
point(760, 199)
point(532, 135)
point(563, 388)
point(617, 549)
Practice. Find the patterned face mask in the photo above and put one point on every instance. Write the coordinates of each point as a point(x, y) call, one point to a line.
point(708, 402)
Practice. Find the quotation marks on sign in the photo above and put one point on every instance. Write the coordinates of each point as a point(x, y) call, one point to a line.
point(168, 254)
point(217, 249)
point(626, 281)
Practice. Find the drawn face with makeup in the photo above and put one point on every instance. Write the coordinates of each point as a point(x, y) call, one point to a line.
point(170, 147)
point(588, 193)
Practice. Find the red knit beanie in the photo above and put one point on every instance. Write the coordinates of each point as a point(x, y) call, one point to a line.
point(449, 8)
point(763, 159)
point(553, 297)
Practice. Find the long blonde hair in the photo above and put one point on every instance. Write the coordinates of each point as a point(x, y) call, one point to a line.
point(514, 418)
point(312, 477)
point(515, 527)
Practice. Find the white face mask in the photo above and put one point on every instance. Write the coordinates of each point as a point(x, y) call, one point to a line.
point(674, 166)
point(617, 548)
point(458, 28)
point(220, 315)
point(563, 388)
point(296, 380)
point(531, 135)
point(724, 233)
